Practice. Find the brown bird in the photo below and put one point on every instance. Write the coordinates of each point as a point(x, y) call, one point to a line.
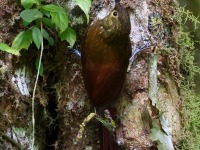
point(105, 54)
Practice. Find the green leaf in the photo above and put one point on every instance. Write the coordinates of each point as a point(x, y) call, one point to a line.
point(41, 66)
point(45, 12)
point(5, 47)
point(85, 6)
point(59, 16)
point(164, 141)
point(47, 22)
point(37, 36)
point(47, 37)
point(25, 23)
point(30, 15)
point(22, 40)
point(164, 124)
point(153, 81)
point(69, 35)
point(53, 8)
point(29, 3)
point(60, 19)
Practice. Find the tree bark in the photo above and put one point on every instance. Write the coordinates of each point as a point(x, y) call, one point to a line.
point(150, 95)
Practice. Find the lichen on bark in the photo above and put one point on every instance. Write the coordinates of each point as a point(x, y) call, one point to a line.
point(61, 100)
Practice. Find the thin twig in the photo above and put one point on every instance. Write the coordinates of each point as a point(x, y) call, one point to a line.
point(13, 142)
point(33, 97)
point(83, 124)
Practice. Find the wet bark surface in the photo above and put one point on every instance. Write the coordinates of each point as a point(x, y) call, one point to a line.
point(61, 100)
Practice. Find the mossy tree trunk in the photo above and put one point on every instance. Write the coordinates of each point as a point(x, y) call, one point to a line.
point(148, 109)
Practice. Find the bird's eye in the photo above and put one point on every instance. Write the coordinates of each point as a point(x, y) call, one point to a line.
point(115, 14)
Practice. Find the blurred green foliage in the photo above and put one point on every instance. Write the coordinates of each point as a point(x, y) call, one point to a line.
point(193, 6)
point(190, 49)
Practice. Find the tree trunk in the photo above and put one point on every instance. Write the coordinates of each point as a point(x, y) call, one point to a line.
point(148, 109)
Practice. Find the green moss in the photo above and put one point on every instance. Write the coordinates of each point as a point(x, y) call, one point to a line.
point(188, 69)
point(187, 15)
point(191, 121)
point(186, 58)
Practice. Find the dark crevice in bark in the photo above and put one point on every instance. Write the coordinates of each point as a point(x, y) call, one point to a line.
point(53, 129)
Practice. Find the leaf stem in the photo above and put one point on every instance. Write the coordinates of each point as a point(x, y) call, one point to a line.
point(34, 91)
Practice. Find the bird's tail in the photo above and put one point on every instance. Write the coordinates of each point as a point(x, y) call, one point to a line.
point(107, 140)
point(107, 134)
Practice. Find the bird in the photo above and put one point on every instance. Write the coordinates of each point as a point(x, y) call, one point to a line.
point(105, 54)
